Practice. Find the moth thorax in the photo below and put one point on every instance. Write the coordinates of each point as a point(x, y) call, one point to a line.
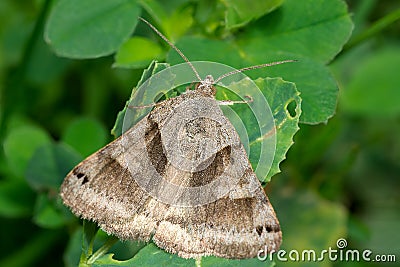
point(206, 86)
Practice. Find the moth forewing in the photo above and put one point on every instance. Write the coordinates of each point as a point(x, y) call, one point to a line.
point(180, 176)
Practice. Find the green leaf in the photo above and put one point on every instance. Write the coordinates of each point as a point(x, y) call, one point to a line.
point(107, 260)
point(317, 86)
point(201, 48)
point(50, 213)
point(314, 81)
point(145, 98)
point(173, 25)
point(220, 262)
point(151, 256)
point(169, 16)
point(90, 28)
point(137, 52)
point(239, 12)
point(86, 135)
point(297, 31)
point(317, 29)
point(259, 128)
point(16, 199)
point(49, 165)
point(374, 87)
point(285, 103)
point(294, 31)
point(20, 144)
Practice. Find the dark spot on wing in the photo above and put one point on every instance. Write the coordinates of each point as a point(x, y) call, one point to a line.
point(82, 177)
point(272, 228)
point(259, 230)
point(214, 170)
point(85, 180)
point(154, 147)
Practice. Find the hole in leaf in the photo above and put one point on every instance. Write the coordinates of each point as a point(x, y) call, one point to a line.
point(291, 108)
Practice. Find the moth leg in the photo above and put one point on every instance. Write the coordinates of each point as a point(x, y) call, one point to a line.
point(146, 106)
point(232, 102)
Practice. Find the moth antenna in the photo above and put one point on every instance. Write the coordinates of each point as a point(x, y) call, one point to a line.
point(173, 46)
point(253, 67)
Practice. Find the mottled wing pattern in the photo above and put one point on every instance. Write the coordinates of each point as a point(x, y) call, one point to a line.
point(104, 188)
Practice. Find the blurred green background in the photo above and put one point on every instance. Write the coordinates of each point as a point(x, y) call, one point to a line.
point(340, 179)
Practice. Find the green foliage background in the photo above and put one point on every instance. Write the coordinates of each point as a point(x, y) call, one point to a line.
point(68, 67)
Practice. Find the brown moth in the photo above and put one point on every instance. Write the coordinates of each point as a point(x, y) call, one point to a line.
point(238, 224)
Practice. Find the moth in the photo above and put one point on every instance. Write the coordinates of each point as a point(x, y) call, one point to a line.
point(180, 178)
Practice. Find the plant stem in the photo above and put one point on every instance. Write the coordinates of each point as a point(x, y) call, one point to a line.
point(13, 94)
point(375, 28)
point(103, 250)
point(198, 262)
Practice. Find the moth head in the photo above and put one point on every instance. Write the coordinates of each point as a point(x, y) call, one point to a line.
point(206, 86)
